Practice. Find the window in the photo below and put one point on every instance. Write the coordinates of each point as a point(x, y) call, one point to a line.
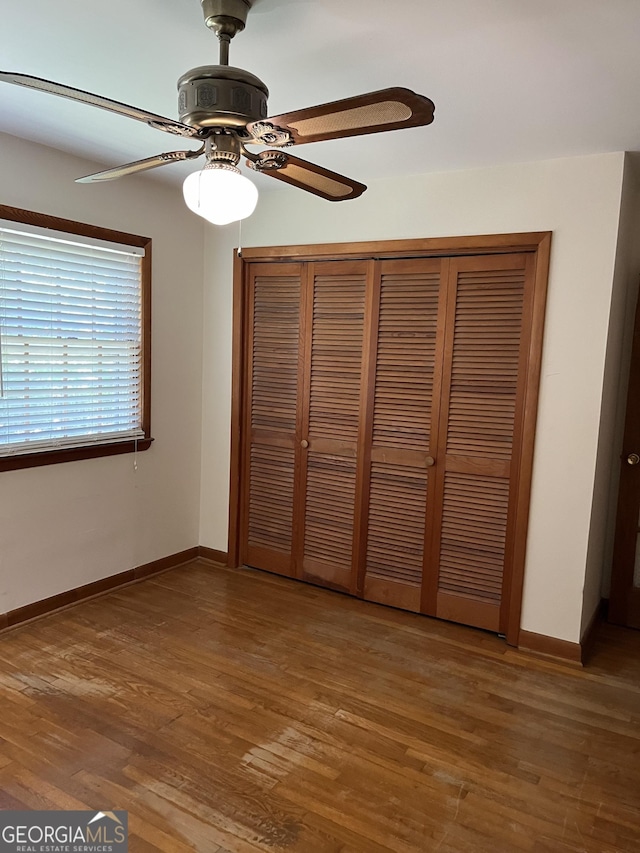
point(74, 340)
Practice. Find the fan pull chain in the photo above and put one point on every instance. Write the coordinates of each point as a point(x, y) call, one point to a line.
point(240, 238)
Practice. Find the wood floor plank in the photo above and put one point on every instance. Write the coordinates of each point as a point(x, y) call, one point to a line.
point(240, 712)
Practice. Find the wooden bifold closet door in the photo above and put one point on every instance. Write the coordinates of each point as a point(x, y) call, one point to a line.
point(383, 427)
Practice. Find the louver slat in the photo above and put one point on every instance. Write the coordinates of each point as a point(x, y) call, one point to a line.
point(334, 380)
point(481, 385)
point(273, 394)
point(401, 431)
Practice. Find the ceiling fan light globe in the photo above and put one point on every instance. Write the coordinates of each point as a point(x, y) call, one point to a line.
point(220, 194)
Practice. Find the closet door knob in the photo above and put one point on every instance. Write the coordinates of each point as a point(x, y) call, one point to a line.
point(304, 443)
point(430, 461)
point(633, 459)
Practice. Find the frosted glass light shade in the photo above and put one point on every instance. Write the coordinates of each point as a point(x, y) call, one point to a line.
point(220, 194)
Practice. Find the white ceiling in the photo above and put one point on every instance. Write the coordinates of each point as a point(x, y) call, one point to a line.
point(512, 80)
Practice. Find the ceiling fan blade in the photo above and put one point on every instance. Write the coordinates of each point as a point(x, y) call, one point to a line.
point(159, 122)
point(307, 176)
point(140, 166)
point(388, 109)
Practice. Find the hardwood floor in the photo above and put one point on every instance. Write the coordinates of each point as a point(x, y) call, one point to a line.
point(238, 711)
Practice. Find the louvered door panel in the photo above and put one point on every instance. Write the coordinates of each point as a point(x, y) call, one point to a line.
point(473, 536)
point(401, 430)
point(395, 535)
point(329, 516)
point(333, 376)
point(486, 351)
point(479, 413)
point(405, 357)
point(271, 499)
point(273, 389)
point(336, 353)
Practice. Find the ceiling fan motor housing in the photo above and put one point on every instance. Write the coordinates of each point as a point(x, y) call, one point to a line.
point(226, 17)
point(221, 96)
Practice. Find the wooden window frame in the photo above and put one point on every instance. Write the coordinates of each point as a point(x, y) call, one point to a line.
point(537, 243)
point(91, 451)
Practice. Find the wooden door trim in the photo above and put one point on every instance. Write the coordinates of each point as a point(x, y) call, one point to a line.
point(515, 467)
point(529, 417)
point(238, 349)
point(246, 392)
point(538, 243)
point(419, 248)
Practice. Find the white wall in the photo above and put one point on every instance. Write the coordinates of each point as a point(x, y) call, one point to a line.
point(65, 525)
point(579, 200)
point(216, 386)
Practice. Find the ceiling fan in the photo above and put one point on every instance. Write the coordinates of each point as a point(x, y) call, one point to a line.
point(226, 109)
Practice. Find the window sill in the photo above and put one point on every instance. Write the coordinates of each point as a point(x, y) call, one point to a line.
point(73, 454)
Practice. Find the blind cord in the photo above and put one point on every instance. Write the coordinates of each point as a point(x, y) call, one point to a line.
point(135, 454)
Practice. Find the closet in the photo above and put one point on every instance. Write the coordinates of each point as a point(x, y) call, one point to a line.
point(385, 407)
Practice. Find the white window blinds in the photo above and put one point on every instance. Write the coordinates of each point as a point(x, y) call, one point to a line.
point(70, 340)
